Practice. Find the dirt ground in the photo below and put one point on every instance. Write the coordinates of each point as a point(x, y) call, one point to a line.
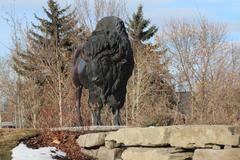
point(62, 140)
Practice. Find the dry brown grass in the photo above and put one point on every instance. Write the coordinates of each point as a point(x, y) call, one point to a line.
point(11, 137)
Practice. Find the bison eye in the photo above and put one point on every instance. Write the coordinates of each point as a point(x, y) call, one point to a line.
point(105, 61)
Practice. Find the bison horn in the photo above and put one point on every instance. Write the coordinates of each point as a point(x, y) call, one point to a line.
point(95, 79)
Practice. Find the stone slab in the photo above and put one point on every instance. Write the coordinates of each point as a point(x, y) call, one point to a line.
point(151, 136)
point(155, 154)
point(90, 152)
point(224, 154)
point(103, 153)
point(89, 128)
point(92, 140)
point(195, 136)
point(108, 154)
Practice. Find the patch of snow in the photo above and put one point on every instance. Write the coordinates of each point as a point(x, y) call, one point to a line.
point(22, 152)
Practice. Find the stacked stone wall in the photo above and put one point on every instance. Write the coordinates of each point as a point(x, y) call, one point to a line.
point(194, 142)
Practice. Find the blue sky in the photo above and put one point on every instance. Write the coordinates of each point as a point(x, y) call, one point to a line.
point(159, 11)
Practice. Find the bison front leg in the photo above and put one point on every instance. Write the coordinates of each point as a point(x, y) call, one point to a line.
point(116, 116)
point(115, 106)
point(96, 114)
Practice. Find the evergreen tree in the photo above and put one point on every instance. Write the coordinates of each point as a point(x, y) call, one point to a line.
point(58, 31)
point(138, 27)
point(46, 60)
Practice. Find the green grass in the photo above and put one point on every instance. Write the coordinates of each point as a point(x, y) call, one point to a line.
point(9, 138)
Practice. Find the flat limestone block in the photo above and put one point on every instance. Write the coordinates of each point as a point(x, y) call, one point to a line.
point(155, 154)
point(224, 154)
point(90, 152)
point(111, 144)
point(103, 153)
point(151, 136)
point(194, 136)
point(89, 128)
point(92, 140)
point(108, 154)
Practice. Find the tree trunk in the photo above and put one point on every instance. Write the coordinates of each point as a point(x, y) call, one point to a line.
point(60, 99)
point(34, 120)
point(19, 117)
point(0, 119)
point(15, 116)
point(138, 90)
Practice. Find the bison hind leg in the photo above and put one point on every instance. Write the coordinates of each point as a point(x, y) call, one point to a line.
point(78, 104)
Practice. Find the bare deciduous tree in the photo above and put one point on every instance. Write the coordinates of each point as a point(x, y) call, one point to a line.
point(90, 12)
point(149, 89)
point(201, 60)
